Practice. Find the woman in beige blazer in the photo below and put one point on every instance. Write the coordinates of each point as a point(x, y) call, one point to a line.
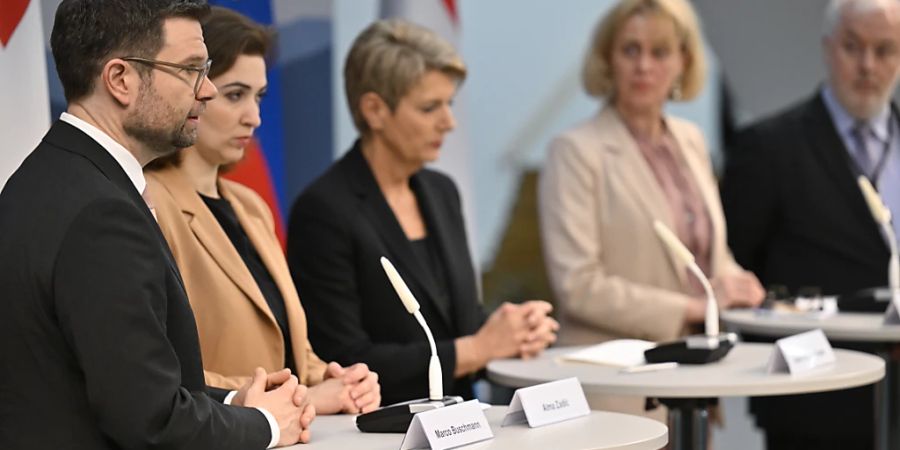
point(222, 237)
point(608, 179)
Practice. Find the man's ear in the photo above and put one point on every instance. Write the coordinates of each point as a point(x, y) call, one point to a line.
point(374, 110)
point(121, 81)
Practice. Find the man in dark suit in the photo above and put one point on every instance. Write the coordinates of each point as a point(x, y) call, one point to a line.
point(796, 216)
point(98, 344)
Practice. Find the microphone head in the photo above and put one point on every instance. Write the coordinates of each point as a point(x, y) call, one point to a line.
point(670, 240)
point(876, 205)
point(685, 255)
point(409, 301)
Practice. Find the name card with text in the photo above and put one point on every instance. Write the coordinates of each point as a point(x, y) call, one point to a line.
point(448, 427)
point(547, 403)
point(801, 353)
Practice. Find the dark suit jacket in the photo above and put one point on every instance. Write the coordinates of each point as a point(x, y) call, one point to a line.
point(796, 217)
point(98, 346)
point(795, 213)
point(340, 227)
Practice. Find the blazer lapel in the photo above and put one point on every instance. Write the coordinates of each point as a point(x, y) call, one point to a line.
point(212, 237)
point(700, 173)
point(632, 170)
point(439, 229)
point(269, 251)
point(70, 138)
point(67, 136)
point(379, 214)
point(828, 147)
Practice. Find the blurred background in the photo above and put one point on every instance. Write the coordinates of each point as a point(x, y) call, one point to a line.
point(524, 59)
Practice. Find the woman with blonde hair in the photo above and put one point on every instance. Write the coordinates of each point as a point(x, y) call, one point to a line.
point(608, 179)
point(380, 200)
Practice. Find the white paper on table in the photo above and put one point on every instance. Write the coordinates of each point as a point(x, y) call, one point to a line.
point(617, 353)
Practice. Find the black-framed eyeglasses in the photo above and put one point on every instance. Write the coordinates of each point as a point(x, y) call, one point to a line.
point(202, 70)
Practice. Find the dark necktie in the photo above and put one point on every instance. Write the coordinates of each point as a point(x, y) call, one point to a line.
point(861, 133)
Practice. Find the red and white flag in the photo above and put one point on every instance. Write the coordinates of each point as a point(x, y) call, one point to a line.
point(24, 97)
point(442, 17)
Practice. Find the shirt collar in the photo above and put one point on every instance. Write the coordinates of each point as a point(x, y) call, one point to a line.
point(126, 160)
point(845, 122)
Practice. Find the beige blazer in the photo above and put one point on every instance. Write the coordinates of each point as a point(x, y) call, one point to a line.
point(237, 329)
point(611, 275)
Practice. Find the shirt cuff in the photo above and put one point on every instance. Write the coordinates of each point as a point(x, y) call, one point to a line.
point(273, 426)
point(229, 397)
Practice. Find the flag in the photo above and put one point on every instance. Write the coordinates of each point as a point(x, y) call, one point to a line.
point(442, 17)
point(25, 105)
point(305, 58)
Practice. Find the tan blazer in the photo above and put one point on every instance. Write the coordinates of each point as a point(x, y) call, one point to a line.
point(237, 329)
point(598, 198)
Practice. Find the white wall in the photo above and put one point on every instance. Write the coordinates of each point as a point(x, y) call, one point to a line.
point(770, 50)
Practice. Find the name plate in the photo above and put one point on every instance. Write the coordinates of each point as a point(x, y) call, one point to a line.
point(547, 403)
point(448, 427)
point(801, 353)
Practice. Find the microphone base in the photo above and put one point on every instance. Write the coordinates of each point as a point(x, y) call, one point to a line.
point(397, 417)
point(696, 349)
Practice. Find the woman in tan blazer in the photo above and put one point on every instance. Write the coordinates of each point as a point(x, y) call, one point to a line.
point(606, 180)
point(222, 237)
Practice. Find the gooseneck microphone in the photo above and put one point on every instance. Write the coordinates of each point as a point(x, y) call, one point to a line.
point(435, 375)
point(396, 418)
point(673, 243)
point(882, 216)
point(701, 349)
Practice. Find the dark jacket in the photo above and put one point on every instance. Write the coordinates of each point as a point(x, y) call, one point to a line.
point(796, 217)
point(98, 345)
point(339, 228)
point(795, 213)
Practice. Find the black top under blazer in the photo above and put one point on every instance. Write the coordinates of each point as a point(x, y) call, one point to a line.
point(98, 344)
point(339, 228)
point(796, 217)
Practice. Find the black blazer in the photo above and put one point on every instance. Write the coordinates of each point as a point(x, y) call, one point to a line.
point(98, 345)
point(339, 228)
point(796, 217)
point(795, 213)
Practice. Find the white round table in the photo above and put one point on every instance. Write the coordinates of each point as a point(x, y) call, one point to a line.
point(842, 327)
point(599, 430)
point(851, 327)
point(687, 389)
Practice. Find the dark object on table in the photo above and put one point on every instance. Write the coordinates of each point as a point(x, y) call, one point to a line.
point(397, 417)
point(697, 349)
point(875, 300)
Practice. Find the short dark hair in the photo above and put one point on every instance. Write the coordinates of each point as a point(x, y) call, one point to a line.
point(228, 34)
point(87, 33)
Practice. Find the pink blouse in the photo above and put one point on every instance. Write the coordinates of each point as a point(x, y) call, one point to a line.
point(690, 216)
